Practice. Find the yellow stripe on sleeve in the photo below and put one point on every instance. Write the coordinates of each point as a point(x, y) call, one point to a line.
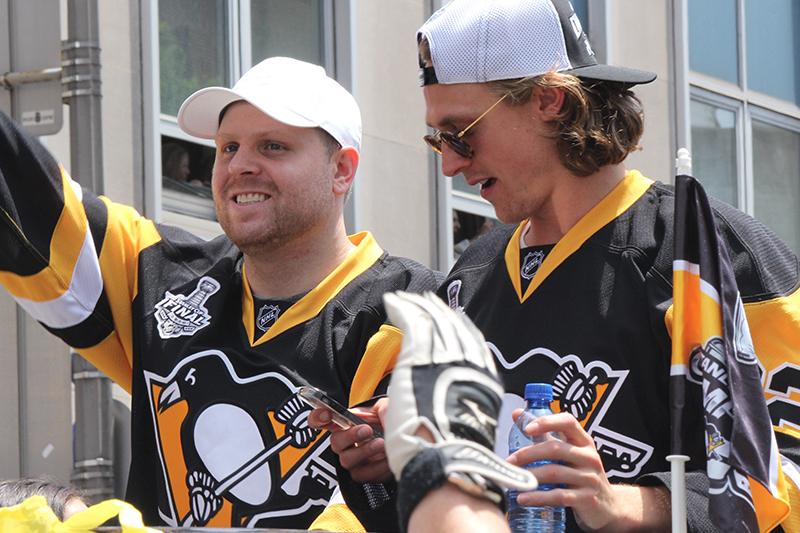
point(127, 234)
point(379, 359)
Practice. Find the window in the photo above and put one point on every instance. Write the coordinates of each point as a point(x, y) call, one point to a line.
point(744, 57)
point(213, 42)
point(462, 214)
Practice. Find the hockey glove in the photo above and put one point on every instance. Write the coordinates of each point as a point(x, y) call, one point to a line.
point(445, 380)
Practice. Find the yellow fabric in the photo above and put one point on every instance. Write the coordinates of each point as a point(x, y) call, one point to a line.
point(624, 195)
point(791, 524)
point(702, 318)
point(379, 359)
point(337, 517)
point(775, 330)
point(110, 358)
point(35, 516)
point(127, 235)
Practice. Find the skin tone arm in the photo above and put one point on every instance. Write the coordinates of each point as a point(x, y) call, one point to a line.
point(450, 509)
point(598, 505)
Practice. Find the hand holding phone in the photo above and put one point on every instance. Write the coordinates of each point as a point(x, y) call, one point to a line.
point(340, 415)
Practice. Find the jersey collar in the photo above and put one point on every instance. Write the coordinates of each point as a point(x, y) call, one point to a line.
point(366, 253)
point(621, 197)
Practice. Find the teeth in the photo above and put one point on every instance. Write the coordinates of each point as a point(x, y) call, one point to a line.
point(250, 198)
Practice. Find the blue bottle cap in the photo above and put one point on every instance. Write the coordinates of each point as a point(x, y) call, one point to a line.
point(539, 391)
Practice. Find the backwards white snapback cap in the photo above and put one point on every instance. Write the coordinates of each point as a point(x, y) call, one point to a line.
point(290, 91)
point(476, 41)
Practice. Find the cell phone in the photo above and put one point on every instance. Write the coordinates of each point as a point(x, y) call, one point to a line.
point(340, 415)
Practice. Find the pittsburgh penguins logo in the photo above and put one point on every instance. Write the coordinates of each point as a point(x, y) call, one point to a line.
point(587, 391)
point(236, 451)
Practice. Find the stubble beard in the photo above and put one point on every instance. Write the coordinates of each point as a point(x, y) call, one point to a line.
point(281, 227)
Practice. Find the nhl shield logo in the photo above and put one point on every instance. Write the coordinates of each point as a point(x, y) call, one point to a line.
point(531, 264)
point(267, 316)
point(178, 314)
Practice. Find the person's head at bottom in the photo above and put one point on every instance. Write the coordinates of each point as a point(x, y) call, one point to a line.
point(64, 500)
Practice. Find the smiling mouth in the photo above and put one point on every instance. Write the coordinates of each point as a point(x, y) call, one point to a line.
point(250, 198)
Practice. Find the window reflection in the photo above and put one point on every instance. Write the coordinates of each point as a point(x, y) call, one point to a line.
point(467, 227)
point(714, 150)
point(186, 167)
point(193, 49)
point(288, 28)
point(712, 38)
point(773, 48)
point(776, 179)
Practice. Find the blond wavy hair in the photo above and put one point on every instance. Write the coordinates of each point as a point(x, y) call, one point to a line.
point(600, 122)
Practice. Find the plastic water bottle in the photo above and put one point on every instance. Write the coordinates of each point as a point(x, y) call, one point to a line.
point(522, 519)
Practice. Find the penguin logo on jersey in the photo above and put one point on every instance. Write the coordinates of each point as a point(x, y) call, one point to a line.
point(235, 451)
point(267, 316)
point(531, 263)
point(587, 391)
point(179, 314)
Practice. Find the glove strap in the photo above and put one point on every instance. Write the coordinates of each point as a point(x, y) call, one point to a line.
point(457, 462)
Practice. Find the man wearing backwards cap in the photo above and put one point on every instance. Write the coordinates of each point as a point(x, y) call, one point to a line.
point(576, 292)
point(213, 339)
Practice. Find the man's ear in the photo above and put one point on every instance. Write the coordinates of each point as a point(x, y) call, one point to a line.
point(346, 164)
point(547, 102)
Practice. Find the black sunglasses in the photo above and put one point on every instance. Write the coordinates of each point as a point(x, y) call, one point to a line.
point(456, 140)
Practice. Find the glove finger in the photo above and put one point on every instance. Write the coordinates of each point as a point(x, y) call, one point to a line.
point(404, 312)
point(480, 463)
point(445, 342)
point(464, 341)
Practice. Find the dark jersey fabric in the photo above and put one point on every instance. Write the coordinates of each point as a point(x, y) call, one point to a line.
point(594, 322)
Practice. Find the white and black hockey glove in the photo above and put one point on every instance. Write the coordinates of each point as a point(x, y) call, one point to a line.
point(445, 380)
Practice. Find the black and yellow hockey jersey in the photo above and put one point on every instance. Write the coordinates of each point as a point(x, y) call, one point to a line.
point(595, 322)
point(219, 436)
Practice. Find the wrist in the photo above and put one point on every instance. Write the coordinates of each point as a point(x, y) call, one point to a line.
point(636, 508)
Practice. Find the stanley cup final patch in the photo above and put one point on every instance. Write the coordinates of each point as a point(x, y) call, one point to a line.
point(179, 314)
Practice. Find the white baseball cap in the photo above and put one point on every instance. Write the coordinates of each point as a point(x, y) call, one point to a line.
point(290, 91)
point(476, 41)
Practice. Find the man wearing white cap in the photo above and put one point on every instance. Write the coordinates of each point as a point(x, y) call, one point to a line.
point(213, 339)
point(577, 290)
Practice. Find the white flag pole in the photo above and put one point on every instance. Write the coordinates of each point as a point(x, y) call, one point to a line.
point(677, 470)
point(683, 166)
point(683, 163)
